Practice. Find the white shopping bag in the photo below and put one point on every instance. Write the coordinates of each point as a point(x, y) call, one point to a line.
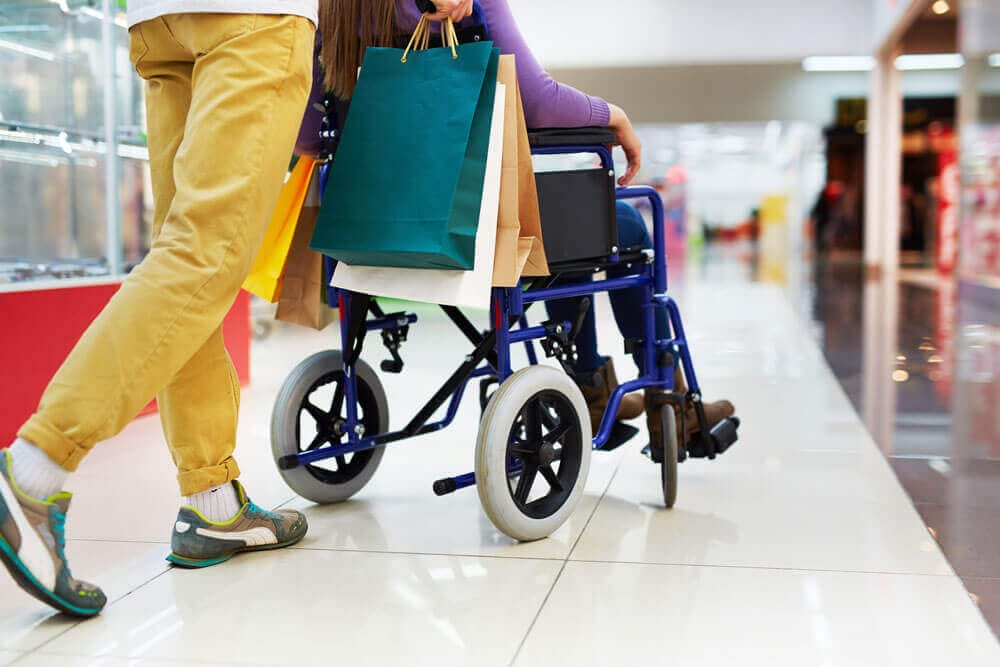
point(450, 288)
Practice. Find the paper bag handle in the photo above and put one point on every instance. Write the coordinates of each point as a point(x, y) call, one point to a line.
point(421, 38)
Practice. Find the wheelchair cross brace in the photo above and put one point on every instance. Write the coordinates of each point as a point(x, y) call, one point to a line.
point(490, 357)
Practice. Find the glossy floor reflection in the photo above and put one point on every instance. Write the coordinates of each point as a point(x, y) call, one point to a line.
point(797, 547)
point(934, 384)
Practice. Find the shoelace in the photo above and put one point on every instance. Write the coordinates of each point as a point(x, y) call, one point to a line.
point(59, 532)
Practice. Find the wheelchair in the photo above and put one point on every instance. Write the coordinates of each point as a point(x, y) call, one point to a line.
point(533, 448)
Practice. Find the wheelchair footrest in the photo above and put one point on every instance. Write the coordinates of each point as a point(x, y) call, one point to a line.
point(620, 434)
point(723, 436)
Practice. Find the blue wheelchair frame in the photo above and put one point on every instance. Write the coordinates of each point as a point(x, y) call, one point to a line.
point(491, 356)
point(509, 327)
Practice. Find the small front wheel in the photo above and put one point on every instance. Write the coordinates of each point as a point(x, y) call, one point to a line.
point(533, 453)
point(668, 467)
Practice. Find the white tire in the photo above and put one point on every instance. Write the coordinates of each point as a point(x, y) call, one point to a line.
point(537, 422)
point(295, 427)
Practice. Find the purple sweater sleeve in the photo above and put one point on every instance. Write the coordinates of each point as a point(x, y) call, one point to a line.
point(547, 103)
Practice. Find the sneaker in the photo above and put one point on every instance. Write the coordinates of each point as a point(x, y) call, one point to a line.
point(198, 542)
point(33, 548)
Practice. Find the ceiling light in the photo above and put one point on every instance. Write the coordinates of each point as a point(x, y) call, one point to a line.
point(941, 7)
point(838, 64)
point(27, 50)
point(930, 61)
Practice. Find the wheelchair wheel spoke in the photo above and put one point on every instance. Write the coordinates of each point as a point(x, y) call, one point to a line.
point(341, 462)
point(321, 417)
point(319, 440)
point(337, 406)
point(548, 419)
point(550, 476)
point(523, 450)
point(524, 484)
point(557, 434)
point(533, 421)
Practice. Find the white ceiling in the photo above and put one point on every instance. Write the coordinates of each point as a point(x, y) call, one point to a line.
point(595, 33)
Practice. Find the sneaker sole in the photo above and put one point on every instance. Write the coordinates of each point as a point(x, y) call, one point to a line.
point(30, 585)
point(200, 563)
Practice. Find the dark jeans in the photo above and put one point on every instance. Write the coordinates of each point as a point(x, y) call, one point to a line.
point(626, 304)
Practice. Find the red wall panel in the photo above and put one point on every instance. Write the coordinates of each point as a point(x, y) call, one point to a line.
point(39, 328)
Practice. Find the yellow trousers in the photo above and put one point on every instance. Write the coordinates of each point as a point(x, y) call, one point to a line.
point(224, 97)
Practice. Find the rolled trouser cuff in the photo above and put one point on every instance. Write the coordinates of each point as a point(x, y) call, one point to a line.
point(203, 479)
point(56, 444)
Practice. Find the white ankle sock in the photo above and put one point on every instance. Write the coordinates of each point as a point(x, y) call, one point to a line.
point(218, 504)
point(35, 473)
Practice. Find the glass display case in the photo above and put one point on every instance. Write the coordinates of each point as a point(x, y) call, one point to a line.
point(70, 207)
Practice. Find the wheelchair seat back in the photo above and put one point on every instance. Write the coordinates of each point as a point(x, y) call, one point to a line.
point(577, 207)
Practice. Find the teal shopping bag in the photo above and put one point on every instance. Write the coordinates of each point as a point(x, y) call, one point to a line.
point(406, 184)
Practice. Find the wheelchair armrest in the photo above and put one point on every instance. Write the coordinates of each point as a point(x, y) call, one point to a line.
point(571, 136)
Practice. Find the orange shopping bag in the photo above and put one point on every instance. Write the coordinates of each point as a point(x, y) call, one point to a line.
point(268, 269)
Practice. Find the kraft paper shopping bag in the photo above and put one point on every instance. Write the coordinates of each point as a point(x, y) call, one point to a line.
point(303, 289)
point(519, 234)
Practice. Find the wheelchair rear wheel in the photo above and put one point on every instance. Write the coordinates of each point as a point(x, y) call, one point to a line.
point(533, 453)
point(668, 467)
point(306, 413)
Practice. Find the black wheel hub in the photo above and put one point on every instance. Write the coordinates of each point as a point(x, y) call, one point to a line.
point(546, 440)
point(318, 428)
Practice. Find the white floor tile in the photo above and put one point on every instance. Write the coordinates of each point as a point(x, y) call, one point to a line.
point(822, 511)
point(118, 568)
point(41, 659)
point(600, 614)
point(301, 607)
point(397, 511)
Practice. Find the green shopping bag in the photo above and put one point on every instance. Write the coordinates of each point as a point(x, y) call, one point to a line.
point(406, 185)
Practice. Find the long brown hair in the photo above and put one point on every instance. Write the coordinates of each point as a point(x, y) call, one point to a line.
point(348, 28)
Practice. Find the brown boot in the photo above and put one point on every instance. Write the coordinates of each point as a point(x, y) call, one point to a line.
point(714, 413)
point(597, 388)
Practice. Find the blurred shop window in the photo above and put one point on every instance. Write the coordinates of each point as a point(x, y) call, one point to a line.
point(53, 221)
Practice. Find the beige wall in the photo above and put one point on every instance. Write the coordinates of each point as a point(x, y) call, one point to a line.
point(737, 93)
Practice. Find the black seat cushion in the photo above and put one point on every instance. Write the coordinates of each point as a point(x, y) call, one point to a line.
point(571, 136)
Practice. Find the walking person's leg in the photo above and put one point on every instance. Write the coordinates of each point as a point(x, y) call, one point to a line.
point(249, 80)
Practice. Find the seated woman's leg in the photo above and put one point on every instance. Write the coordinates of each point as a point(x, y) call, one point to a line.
point(627, 304)
point(594, 374)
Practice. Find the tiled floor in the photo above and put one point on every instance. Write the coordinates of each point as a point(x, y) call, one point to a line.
point(798, 547)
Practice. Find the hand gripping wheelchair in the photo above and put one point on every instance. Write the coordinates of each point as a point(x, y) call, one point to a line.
point(532, 453)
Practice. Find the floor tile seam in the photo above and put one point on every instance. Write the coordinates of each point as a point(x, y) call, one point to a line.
point(765, 568)
point(128, 658)
point(387, 552)
point(75, 624)
point(566, 561)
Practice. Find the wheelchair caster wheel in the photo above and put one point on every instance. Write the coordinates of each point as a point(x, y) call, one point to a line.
point(533, 453)
point(309, 406)
point(668, 462)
